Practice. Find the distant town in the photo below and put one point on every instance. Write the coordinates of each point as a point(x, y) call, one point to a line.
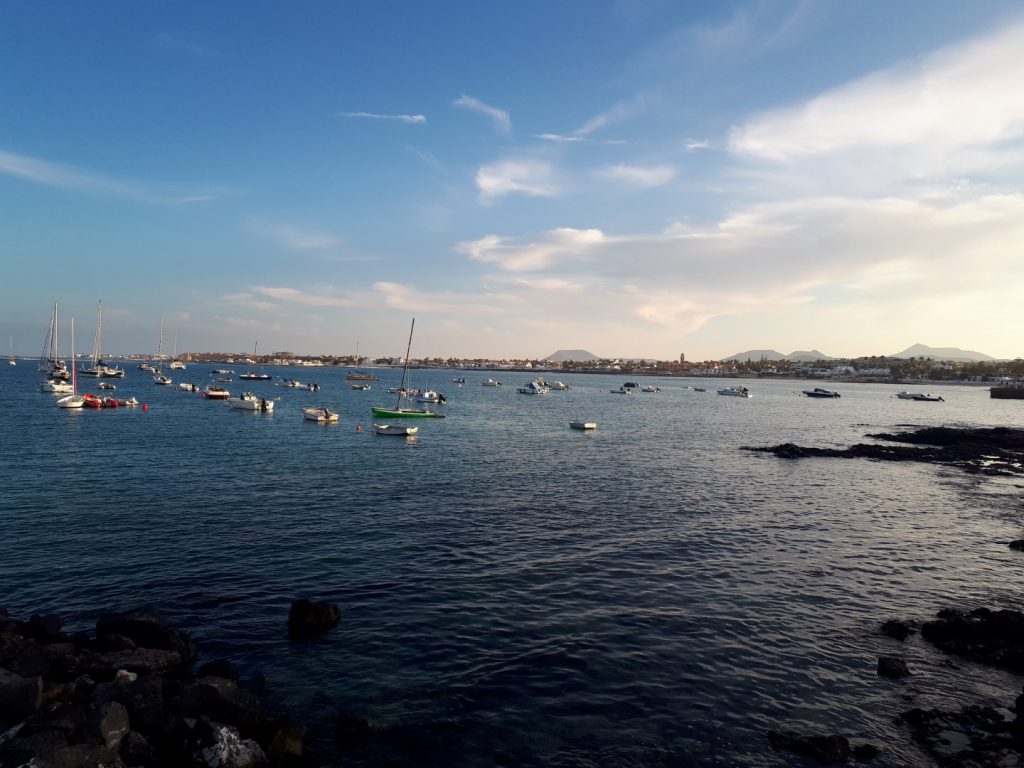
point(869, 368)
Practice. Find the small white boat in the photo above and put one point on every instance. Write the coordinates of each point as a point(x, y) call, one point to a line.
point(107, 385)
point(187, 387)
point(177, 365)
point(362, 387)
point(74, 400)
point(922, 396)
point(491, 383)
point(248, 401)
point(583, 424)
point(400, 430)
point(221, 371)
point(457, 380)
point(320, 415)
point(213, 392)
point(650, 388)
point(56, 387)
point(71, 401)
point(560, 386)
point(535, 387)
point(430, 396)
point(623, 391)
point(734, 392)
point(162, 380)
point(146, 368)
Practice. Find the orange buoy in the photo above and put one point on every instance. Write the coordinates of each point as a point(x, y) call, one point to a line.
point(145, 407)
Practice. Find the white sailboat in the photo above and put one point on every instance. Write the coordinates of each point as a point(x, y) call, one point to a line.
point(99, 369)
point(10, 356)
point(176, 364)
point(158, 377)
point(74, 400)
point(50, 361)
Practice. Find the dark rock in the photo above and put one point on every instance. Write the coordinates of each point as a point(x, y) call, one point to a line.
point(863, 753)
point(61, 661)
point(993, 637)
point(221, 746)
point(351, 730)
point(40, 745)
point(285, 744)
point(136, 751)
point(891, 666)
point(223, 701)
point(899, 630)
point(1017, 545)
point(45, 629)
point(147, 631)
point(113, 642)
point(218, 668)
point(11, 646)
point(145, 661)
point(29, 660)
point(976, 736)
point(109, 724)
point(144, 701)
point(824, 749)
point(86, 756)
point(66, 718)
point(307, 618)
point(19, 696)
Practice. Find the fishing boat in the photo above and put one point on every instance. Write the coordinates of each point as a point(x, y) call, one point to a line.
point(734, 392)
point(74, 400)
point(583, 424)
point(819, 392)
point(399, 430)
point(320, 415)
point(99, 368)
point(248, 401)
point(927, 397)
point(536, 387)
point(50, 361)
point(213, 392)
point(400, 412)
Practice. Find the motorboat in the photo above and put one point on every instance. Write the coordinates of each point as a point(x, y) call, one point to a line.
point(734, 392)
point(213, 392)
point(147, 368)
point(360, 376)
point(177, 365)
point(405, 392)
point(623, 391)
point(583, 424)
point(650, 388)
point(187, 387)
point(320, 415)
point(56, 387)
point(535, 387)
point(359, 386)
point(248, 401)
point(819, 392)
point(923, 396)
point(430, 396)
point(559, 386)
point(491, 383)
point(459, 380)
point(253, 376)
point(631, 385)
point(159, 378)
point(223, 372)
point(398, 430)
point(699, 389)
point(106, 385)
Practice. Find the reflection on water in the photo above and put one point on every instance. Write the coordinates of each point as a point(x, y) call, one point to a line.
point(513, 590)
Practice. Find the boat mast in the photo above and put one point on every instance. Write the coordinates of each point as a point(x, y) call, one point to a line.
point(99, 336)
point(405, 370)
point(74, 381)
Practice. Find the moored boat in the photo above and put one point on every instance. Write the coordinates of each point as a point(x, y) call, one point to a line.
point(400, 412)
point(213, 392)
point(74, 400)
point(819, 392)
point(926, 397)
point(359, 386)
point(623, 391)
point(491, 383)
point(398, 430)
point(734, 391)
point(536, 387)
point(249, 401)
point(320, 415)
point(583, 424)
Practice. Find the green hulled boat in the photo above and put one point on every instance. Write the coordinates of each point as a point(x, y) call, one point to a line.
point(398, 412)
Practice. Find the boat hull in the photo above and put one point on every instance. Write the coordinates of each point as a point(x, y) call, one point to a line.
point(395, 430)
point(406, 413)
point(1007, 393)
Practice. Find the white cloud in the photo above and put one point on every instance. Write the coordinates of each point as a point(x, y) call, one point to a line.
point(530, 177)
point(558, 138)
point(305, 298)
point(554, 246)
point(961, 98)
point(64, 177)
point(691, 145)
point(639, 176)
point(415, 119)
point(501, 118)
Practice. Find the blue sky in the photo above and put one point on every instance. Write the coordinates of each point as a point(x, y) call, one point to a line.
point(632, 178)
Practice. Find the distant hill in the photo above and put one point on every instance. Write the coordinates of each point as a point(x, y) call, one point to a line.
point(579, 355)
point(943, 353)
point(771, 354)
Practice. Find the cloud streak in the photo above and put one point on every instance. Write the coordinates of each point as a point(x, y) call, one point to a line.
point(501, 119)
point(505, 177)
point(412, 119)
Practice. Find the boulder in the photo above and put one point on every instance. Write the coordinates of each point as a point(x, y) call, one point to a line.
point(223, 701)
point(993, 637)
point(143, 699)
point(145, 661)
point(221, 746)
point(892, 666)
point(109, 724)
point(19, 696)
point(86, 756)
point(44, 628)
point(307, 618)
point(824, 749)
point(135, 750)
point(146, 631)
point(896, 629)
point(1017, 545)
point(285, 744)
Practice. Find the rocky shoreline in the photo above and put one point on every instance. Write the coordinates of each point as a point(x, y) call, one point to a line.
point(130, 696)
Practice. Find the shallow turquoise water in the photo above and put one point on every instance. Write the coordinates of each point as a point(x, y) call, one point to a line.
point(516, 592)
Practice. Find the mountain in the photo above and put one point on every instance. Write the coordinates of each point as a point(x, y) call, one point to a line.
point(771, 354)
point(579, 355)
point(943, 353)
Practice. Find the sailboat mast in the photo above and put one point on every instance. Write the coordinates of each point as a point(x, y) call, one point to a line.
point(74, 381)
point(405, 370)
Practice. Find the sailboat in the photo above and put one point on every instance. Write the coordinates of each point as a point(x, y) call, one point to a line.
point(50, 361)
point(10, 357)
point(176, 364)
point(99, 367)
point(398, 412)
point(74, 400)
point(358, 375)
point(158, 377)
point(252, 375)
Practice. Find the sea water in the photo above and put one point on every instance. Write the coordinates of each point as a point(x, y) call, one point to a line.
point(516, 592)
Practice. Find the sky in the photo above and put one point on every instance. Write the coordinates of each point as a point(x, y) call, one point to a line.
point(637, 178)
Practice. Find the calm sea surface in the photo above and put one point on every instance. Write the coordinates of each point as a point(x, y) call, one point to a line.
point(516, 592)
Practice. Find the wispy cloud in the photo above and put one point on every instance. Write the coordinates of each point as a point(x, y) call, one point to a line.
point(638, 175)
point(692, 145)
point(65, 177)
point(415, 119)
point(501, 119)
point(319, 298)
point(555, 246)
point(294, 238)
point(558, 138)
point(529, 177)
